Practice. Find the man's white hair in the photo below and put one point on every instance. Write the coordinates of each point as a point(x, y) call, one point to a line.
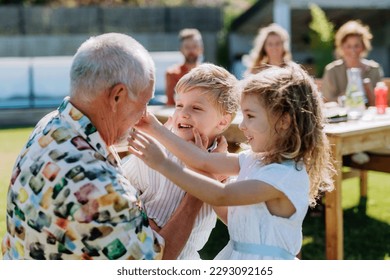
point(103, 61)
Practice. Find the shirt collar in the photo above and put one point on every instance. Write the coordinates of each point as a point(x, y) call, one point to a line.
point(83, 126)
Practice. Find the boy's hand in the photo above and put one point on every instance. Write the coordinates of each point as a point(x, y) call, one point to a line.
point(201, 141)
point(222, 146)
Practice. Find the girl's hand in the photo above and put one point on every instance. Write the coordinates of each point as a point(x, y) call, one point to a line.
point(148, 123)
point(146, 148)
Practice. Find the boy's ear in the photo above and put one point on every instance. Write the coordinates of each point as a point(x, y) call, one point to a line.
point(224, 122)
point(285, 121)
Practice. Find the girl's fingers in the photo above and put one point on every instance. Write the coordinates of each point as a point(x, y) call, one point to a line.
point(140, 137)
point(135, 152)
point(135, 143)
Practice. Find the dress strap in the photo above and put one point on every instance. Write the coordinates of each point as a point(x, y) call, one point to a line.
point(262, 250)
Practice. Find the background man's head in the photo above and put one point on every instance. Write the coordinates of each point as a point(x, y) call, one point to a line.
point(191, 45)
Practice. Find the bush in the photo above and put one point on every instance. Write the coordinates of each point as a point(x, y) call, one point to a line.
point(321, 38)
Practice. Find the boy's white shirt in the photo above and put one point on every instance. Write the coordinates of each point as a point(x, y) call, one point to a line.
point(161, 198)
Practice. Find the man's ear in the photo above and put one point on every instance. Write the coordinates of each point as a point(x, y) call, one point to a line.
point(116, 95)
point(224, 122)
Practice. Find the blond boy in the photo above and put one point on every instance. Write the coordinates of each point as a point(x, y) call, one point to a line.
point(207, 100)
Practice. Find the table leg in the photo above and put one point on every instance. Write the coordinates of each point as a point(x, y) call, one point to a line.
point(334, 211)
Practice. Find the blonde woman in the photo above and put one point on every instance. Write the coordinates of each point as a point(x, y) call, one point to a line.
point(271, 46)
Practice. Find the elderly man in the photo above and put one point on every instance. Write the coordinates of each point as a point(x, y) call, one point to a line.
point(68, 198)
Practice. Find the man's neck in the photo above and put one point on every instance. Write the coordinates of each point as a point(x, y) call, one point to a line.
point(97, 118)
point(190, 65)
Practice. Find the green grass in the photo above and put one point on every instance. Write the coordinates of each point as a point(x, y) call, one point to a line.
point(11, 142)
point(366, 223)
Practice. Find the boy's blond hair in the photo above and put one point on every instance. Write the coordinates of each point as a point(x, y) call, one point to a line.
point(218, 85)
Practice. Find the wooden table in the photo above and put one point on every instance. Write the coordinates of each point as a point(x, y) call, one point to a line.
point(347, 138)
point(372, 132)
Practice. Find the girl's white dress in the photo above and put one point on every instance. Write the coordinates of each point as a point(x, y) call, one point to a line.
point(254, 232)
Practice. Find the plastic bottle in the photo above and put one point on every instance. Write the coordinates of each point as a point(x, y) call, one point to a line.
point(368, 88)
point(381, 97)
point(355, 98)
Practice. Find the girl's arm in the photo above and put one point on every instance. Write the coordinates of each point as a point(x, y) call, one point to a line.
point(206, 189)
point(215, 163)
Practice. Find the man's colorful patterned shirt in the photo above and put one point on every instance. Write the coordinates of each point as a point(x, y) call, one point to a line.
point(69, 200)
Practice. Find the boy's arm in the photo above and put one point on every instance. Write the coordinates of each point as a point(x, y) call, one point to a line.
point(191, 155)
point(179, 226)
point(178, 229)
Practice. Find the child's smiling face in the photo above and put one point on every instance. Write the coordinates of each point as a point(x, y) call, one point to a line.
point(255, 125)
point(195, 110)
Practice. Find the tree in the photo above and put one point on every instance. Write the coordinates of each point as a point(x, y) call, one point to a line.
point(321, 38)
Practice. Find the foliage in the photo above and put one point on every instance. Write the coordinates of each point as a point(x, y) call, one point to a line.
point(321, 38)
point(231, 10)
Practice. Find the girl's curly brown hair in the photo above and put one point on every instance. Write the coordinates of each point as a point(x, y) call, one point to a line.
point(290, 90)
